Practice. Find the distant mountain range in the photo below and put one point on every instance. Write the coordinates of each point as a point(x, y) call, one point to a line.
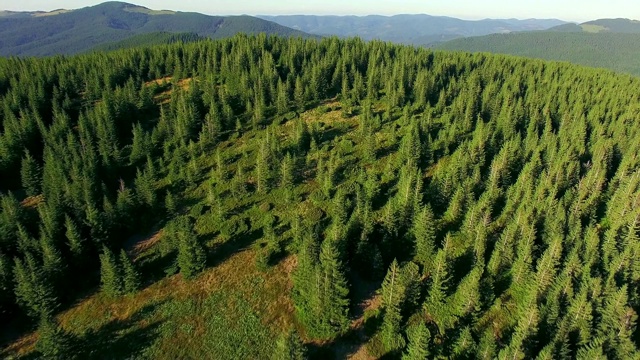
point(607, 43)
point(407, 29)
point(74, 31)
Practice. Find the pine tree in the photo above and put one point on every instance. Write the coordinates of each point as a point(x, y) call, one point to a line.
point(170, 204)
point(282, 101)
point(435, 305)
point(191, 255)
point(299, 95)
point(424, 232)
point(53, 342)
point(418, 348)
point(74, 240)
point(130, 276)
point(306, 285)
point(30, 175)
point(110, 273)
point(263, 167)
point(33, 290)
point(334, 292)
point(287, 173)
point(465, 345)
point(393, 292)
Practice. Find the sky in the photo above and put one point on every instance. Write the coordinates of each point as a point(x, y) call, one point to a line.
point(570, 10)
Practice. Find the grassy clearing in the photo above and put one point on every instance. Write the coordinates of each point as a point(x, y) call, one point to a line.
point(232, 310)
point(593, 28)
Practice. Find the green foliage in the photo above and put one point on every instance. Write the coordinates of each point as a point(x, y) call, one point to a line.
point(290, 347)
point(418, 347)
point(110, 273)
point(130, 276)
point(33, 288)
point(505, 188)
point(392, 297)
point(321, 290)
point(30, 175)
point(53, 343)
point(150, 39)
point(192, 257)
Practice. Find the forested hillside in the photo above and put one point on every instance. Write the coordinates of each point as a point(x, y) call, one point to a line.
point(346, 198)
point(150, 39)
point(615, 51)
point(625, 26)
point(79, 30)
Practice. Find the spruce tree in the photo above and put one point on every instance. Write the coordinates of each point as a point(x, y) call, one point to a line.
point(419, 338)
point(424, 234)
point(130, 276)
point(53, 342)
point(74, 240)
point(30, 175)
point(191, 255)
point(33, 288)
point(334, 292)
point(110, 273)
point(393, 295)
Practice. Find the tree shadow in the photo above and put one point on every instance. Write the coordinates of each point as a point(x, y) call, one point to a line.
point(238, 243)
point(327, 136)
point(119, 339)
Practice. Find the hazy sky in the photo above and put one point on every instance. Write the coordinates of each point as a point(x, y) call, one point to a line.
point(573, 10)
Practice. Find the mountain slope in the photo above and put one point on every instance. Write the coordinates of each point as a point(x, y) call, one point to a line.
point(69, 32)
point(409, 29)
point(149, 39)
point(615, 51)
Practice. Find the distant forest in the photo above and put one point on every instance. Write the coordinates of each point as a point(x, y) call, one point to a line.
point(614, 51)
point(492, 201)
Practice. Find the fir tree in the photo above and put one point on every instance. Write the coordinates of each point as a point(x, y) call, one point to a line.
point(334, 292)
point(399, 289)
point(30, 175)
point(33, 288)
point(418, 347)
point(110, 273)
point(130, 276)
point(191, 255)
point(424, 233)
point(53, 342)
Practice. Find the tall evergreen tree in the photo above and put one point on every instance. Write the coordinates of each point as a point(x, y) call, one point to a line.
point(418, 347)
point(110, 273)
point(130, 276)
point(191, 255)
point(34, 291)
point(30, 175)
point(53, 342)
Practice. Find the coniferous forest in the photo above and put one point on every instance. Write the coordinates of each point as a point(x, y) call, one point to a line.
point(343, 197)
